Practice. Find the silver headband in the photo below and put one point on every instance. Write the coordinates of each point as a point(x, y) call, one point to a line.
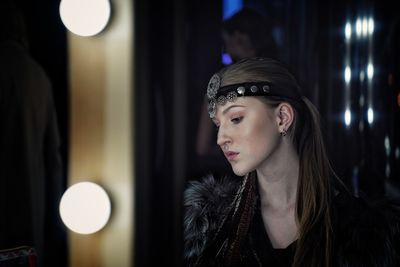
point(221, 95)
point(212, 90)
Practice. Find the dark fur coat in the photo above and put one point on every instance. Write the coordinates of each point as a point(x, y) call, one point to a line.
point(365, 234)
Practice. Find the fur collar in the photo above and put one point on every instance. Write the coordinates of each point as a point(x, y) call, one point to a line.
point(205, 203)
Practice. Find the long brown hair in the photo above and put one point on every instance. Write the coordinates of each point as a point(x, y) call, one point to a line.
point(314, 190)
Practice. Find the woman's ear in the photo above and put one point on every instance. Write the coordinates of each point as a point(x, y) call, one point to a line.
point(285, 116)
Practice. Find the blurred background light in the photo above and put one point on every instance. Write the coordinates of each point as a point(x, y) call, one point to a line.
point(387, 145)
point(362, 76)
point(347, 74)
point(226, 59)
point(85, 208)
point(364, 27)
point(370, 70)
point(358, 27)
point(230, 7)
point(347, 117)
point(85, 17)
point(370, 115)
point(347, 31)
point(371, 25)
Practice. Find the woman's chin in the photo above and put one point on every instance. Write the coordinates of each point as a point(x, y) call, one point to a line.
point(239, 172)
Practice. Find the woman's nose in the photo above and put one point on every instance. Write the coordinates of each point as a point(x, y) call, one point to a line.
point(222, 137)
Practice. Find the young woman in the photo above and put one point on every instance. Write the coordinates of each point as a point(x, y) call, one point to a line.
point(289, 209)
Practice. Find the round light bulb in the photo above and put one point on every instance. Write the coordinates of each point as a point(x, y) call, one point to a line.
point(85, 17)
point(85, 208)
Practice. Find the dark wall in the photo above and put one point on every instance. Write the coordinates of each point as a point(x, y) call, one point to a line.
point(154, 213)
point(177, 49)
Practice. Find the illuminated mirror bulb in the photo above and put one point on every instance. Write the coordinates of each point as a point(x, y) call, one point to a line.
point(85, 17)
point(85, 208)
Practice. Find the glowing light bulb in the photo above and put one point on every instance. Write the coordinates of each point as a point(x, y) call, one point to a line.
point(85, 17)
point(85, 208)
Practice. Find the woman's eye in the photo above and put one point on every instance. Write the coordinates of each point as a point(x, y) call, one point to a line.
point(236, 120)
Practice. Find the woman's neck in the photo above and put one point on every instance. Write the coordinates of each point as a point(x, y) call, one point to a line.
point(277, 180)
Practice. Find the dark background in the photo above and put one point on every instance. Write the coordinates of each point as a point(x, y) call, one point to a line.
point(178, 47)
point(47, 43)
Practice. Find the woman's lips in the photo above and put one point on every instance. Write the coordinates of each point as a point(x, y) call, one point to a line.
point(231, 155)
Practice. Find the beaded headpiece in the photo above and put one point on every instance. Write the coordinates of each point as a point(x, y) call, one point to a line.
point(221, 95)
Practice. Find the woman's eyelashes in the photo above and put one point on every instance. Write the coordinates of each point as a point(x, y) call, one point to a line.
point(236, 120)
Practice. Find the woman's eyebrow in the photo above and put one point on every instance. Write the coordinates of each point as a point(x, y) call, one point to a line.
point(233, 106)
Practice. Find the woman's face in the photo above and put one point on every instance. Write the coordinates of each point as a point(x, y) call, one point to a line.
point(248, 133)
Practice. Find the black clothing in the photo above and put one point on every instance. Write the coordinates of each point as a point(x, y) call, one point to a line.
point(266, 254)
point(364, 234)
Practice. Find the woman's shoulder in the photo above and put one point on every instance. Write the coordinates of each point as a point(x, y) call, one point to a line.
point(366, 230)
point(206, 202)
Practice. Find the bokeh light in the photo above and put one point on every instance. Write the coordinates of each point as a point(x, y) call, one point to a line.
point(85, 208)
point(85, 17)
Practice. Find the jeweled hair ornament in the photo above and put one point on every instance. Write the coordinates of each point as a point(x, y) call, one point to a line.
point(221, 95)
